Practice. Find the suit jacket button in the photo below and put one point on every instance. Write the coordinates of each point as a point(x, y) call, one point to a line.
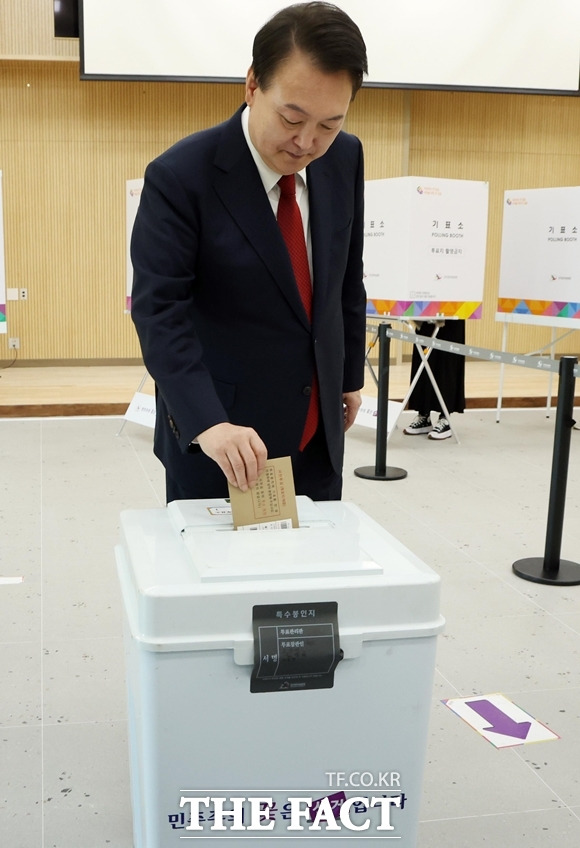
point(307, 390)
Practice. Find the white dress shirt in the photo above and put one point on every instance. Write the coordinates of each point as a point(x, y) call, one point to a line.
point(270, 180)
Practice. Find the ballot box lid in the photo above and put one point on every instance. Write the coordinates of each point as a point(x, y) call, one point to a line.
point(188, 578)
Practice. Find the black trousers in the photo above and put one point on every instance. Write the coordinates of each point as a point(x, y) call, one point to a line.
point(314, 476)
point(448, 370)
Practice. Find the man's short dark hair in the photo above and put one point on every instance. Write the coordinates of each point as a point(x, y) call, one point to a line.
point(320, 30)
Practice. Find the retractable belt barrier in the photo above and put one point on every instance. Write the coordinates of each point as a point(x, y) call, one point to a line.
point(481, 353)
point(550, 569)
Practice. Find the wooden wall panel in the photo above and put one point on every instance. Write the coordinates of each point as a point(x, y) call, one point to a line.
point(27, 32)
point(379, 117)
point(66, 153)
point(67, 147)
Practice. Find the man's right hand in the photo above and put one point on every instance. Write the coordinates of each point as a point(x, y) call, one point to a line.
point(239, 451)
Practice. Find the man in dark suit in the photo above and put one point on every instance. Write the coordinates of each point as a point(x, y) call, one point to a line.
point(238, 363)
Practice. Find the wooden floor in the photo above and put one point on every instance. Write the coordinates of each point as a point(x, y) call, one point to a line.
point(108, 389)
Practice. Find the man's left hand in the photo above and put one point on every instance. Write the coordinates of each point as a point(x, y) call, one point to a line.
point(352, 402)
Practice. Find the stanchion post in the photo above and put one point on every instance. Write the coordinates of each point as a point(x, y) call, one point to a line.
point(551, 569)
point(381, 471)
point(383, 400)
point(560, 461)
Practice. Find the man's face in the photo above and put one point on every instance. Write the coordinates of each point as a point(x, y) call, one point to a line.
point(296, 119)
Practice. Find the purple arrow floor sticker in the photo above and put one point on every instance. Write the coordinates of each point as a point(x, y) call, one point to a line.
point(499, 720)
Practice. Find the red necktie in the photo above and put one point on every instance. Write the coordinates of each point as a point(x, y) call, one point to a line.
point(290, 223)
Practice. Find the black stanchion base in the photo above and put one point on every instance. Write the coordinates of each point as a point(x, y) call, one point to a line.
point(369, 472)
point(532, 569)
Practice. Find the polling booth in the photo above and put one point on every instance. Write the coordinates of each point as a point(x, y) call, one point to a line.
point(425, 247)
point(539, 280)
point(279, 683)
point(424, 262)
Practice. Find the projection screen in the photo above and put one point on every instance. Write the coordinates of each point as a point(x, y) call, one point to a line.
point(521, 45)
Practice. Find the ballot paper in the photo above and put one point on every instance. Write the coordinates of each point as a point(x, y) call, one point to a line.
point(271, 503)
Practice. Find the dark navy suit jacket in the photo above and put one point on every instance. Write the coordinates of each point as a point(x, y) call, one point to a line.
point(219, 317)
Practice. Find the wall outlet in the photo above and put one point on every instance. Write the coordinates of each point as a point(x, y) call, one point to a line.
point(14, 344)
point(23, 294)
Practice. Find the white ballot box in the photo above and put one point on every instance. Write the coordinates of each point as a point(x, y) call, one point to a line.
point(279, 682)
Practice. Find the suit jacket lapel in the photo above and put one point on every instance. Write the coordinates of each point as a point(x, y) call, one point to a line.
point(238, 184)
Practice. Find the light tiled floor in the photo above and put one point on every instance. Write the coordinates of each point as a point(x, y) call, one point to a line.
point(468, 510)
